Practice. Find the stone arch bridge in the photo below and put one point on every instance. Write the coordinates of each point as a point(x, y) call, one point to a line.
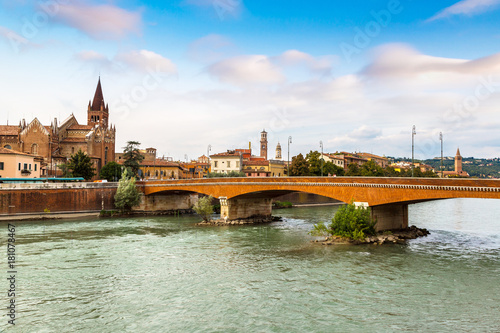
point(244, 198)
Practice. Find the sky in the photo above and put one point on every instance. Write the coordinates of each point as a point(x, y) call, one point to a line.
point(184, 75)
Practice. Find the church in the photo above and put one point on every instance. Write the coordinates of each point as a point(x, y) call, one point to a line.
point(57, 142)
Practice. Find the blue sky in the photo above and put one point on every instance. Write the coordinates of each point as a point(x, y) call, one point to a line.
point(180, 75)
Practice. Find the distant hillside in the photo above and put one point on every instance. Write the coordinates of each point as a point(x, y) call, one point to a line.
point(476, 167)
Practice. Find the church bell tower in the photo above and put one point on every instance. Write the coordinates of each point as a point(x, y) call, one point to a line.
point(263, 144)
point(98, 112)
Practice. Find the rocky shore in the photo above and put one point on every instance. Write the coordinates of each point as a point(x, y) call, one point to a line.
point(385, 237)
point(251, 220)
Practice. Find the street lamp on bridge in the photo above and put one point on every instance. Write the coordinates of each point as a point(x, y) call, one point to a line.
point(209, 148)
point(288, 164)
point(413, 132)
point(441, 138)
point(321, 145)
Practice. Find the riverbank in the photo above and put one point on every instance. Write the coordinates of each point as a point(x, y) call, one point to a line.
point(252, 220)
point(50, 216)
point(385, 237)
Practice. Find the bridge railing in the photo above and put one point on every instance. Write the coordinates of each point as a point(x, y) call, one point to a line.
point(53, 186)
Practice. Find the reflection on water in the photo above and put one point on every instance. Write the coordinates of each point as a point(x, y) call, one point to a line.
point(164, 274)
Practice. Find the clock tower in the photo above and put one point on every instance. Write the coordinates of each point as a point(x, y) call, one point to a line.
point(263, 144)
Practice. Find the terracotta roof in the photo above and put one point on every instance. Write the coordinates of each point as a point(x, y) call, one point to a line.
point(226, 154)
point(9, 130)
point(250, 163)
point(10, 151)
point(80, 127)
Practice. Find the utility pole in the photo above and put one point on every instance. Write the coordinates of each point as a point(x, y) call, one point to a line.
point(321, 145)
point(413, 132)
point(209, 148)
point(288, 164)
point(441, 138)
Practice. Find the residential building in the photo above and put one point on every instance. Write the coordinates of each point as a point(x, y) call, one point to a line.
point(226, 162)
point(380, 160)
point(14, 164)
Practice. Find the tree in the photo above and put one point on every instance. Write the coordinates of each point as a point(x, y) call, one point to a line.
point(371, 169)
point(314, 160)
point(349, 222)
point(111, 171)
point(204, 208)
point(127, 195)
point(353, 170)
point(331, 169)
point(132, 157)
point(80, 165)
point(299, 166)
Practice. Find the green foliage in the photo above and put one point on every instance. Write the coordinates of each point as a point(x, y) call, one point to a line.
point(111, 171)
point(320, 229)
point(331, 169)
point(229, 174)
point(80, 165)
point(299, 166)
point(349, 222)
point(127, 195)
point(204, 208)
point(353, 170)
point(132, 157)
point(282, 204)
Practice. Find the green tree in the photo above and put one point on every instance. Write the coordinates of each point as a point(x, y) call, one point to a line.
point(331, 169)
point(111, 171)
point(132, 156)
point(371, 169)
point(80, 165)
point(353, 170)
point(314, 160)
point(349, 222)
point(127, 195)
point(299, 166)
point(204, 208)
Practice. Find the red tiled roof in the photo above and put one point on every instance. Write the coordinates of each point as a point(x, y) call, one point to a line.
point(9, 130)
point(10, 151)
point(80, 127)
point(250, 163)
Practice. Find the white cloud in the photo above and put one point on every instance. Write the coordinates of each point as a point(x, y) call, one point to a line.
point(211, 48)
point(145, 61)
point(16, 41)
point(102, 22)
point(247, 69)
point(465, 7)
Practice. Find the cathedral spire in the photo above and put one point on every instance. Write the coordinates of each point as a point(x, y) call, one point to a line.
point(98, 97)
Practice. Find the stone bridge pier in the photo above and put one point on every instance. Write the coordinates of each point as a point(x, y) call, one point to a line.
point(390, 216)
point(246, 209)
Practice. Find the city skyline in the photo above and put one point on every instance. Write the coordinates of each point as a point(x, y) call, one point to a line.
point(182, 75)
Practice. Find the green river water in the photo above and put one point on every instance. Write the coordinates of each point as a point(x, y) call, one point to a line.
point(164, 274)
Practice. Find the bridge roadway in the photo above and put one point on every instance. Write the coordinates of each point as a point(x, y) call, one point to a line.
point(243, 198)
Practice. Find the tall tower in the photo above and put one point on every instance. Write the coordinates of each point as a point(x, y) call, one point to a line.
point(98, 112)
point(278, 152)
point(263, 144)
point(458, 162)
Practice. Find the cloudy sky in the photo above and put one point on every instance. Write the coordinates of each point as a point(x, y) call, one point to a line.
point(180, 75)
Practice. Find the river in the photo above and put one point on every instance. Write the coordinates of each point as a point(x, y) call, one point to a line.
point(164, 274)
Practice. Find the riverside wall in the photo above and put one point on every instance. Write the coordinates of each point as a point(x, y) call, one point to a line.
point(56, 197)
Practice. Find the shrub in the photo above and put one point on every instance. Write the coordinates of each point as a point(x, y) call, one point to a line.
point(349, 222)
point(204, 208)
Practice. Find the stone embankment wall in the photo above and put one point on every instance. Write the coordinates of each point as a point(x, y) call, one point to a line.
point(169, 202)
point(56, 197)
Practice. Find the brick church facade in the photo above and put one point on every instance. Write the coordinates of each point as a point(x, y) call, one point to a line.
point(57, 142)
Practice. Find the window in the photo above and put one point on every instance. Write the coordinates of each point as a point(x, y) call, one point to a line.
point(30, 166)
point(72, 150)
point(237, 164)
point(25, 166)
point(19, 167)
point(35, 166)
point(228, 164)
point(1, 165)
point(7, 146)
point(215, 164)
point(34, 149)
point(106, 156)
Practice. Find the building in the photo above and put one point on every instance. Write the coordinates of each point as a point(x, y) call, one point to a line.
point(263, 144)
point(278, 152)
point(14, 164)
point(232, 160)
point(459, 172)
point(336, 159)
point(380, 160)
point(56, 143)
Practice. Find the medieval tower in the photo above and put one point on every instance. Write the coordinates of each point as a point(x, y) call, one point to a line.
point(263, 144)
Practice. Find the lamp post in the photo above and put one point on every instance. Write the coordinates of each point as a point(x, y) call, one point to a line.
point(321, 145)
point(209, 148)
point(441, 138)
point(413, 132)
point(288, 164)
